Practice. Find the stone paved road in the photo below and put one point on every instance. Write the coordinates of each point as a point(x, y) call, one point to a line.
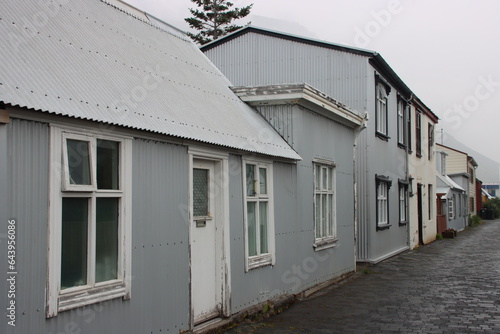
point(448, 286)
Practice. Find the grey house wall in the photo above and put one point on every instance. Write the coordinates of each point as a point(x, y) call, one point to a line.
point(460, 220)
point(298, 266)
point(160, 254)
point(255, 59)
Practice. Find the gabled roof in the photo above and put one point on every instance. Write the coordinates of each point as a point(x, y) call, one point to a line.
point(375, 59)
point(445, 184)
point(91, 60)
point(469, 158)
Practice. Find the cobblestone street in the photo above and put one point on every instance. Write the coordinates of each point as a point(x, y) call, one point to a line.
point(448, 286)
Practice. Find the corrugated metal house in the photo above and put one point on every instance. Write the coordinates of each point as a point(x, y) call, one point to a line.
point(362, 80)
point(140, 194)
point(460, 165)
point(451, 197)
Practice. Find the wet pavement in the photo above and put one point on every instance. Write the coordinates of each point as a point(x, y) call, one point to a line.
point(448, 286)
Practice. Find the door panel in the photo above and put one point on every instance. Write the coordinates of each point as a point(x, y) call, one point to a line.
point(205, 250)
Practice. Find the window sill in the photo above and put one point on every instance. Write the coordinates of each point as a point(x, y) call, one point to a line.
point(259, 261)
point(403, 223)
point(68, 301)
point(382, 136)
point(325, 243)
point(383, 227)
point(402, 146)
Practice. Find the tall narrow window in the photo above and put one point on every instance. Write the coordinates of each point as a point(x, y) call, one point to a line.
point(258, 214)
point(403, 203)
point(430, 142)
point(401, 122)
point(381, 110)
point(88, 232)
point(418, 132)
point(324, 204)
point(383, 184)
point(430, 201)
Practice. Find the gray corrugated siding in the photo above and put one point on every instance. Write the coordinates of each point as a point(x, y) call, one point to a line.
point(254, 59)
point(27, 197)
point(89, 60)
point(293, 207)
point(160, 258)
point(160, 248)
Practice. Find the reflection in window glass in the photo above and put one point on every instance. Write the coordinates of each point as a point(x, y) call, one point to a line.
point(252, 232)
point(263, 181)
point(74, 242)
point(107, 164)
point(106, 239)
point(78, 162)
point(250, 169)
point(263, 227)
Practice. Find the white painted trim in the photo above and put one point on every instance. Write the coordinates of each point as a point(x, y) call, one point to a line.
point(53, 228)
point(207, 153)
point(270, 257)
point(56, 299)
point(221, 173)
point(302, 94)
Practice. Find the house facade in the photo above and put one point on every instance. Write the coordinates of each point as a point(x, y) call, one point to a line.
point(451, 198)
point(140, 194)
point(362, 80)
point(460, 165)
point(422, 168)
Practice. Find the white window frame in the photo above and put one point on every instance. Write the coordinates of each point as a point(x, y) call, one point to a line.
point(269, 258)
point(383, 185)
point(401, 122)
point(328, 170)
point(58, 299)
point(403, 203)
point(451, 208)
point(381, 110)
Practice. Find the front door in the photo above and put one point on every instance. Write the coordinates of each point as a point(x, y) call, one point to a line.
point(206, 244)
point(420, 215)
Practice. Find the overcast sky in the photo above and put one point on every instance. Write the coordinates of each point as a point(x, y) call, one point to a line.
point(446, 51)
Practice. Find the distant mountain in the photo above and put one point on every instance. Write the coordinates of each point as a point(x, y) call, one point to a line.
point(488, 170)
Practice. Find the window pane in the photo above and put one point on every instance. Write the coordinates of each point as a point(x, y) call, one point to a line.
point(317, 212)
point(330, 215)
point(263, 227)
point(263, 180)
point(200, 192)
point(324, 215)
point(78, 161)
point(324, 177)
point(330, 178)
point(318, 177)
point(252, 232)
point(74, 242)
point(250, 180)
point(107, 164)
point(106, 239)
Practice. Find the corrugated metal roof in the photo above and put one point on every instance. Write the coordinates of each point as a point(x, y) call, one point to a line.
point(90, 60)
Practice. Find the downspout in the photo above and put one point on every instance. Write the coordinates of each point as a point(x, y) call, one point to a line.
point(357, 131)
point(407, 167)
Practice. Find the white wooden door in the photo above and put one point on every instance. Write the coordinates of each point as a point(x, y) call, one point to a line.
point(206, 251)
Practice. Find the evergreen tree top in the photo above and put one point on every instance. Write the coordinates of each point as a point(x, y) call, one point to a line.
point(213, 19)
